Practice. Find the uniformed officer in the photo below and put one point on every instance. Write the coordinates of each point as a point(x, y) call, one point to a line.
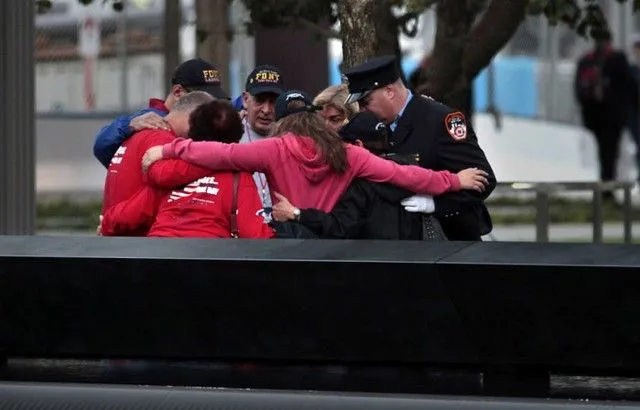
point(440, 136)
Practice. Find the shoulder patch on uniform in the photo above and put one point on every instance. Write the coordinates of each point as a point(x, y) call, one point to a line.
point(456, 125)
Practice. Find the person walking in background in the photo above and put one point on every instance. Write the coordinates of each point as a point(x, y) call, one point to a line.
point(603, 88)
point(634, 103)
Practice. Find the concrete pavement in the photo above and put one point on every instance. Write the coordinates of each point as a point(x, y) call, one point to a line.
point(561, 232)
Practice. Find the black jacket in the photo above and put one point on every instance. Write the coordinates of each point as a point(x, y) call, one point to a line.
point(618, 88)
point(444, 140)
point(367, 210)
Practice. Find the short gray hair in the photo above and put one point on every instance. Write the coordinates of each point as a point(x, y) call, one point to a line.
point(190, 101)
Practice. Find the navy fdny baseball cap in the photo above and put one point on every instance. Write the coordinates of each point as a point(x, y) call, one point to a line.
point(265, 79)
point(283, 101)
point(199, 75)
point(366, 127)
point(370, 75)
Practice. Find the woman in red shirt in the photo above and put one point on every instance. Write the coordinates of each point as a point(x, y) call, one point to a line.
point(223, 204)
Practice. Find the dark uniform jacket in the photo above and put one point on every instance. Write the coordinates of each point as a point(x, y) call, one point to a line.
point(445, 141)
point(367, 210)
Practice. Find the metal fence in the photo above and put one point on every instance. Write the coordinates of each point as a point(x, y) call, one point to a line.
point(93, 59)
point(545, 190)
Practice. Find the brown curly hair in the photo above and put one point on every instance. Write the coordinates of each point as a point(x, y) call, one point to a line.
point(215, 121)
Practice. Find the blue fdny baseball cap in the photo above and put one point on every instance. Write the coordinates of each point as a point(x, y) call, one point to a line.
point(283, 101)
point(264, 79)
point(364, 126)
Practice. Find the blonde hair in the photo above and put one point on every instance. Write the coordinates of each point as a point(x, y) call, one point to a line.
point(335, 96)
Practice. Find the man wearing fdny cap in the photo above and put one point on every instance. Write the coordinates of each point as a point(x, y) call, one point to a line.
point(192, 75)
point(262, 88)
point(438, 134)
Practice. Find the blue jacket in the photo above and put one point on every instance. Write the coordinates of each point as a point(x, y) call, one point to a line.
point(237, 103)
point(113, 135)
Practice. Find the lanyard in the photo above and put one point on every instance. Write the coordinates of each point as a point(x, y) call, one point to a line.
point(261, 177)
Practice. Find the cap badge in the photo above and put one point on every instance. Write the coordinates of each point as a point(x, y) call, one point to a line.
point(267, 76)
point(294, 96)
point(211, 76)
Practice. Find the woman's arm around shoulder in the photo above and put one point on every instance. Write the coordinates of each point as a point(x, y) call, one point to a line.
point(413, 178)
point(249, 157)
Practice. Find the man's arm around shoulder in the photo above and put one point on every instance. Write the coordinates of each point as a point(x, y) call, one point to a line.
point(111, 136)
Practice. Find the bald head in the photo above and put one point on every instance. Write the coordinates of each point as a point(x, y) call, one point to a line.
point(191, 101)
point(178, 117)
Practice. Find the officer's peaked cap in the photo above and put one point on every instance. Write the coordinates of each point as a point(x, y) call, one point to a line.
point(370, 75)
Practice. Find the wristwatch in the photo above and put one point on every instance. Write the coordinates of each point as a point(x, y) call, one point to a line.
point(296, 214)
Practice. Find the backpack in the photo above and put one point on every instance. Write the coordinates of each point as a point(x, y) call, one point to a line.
point(591, 83)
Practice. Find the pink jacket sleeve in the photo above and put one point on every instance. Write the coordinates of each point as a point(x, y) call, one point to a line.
point(217, 156)
point(410, 177)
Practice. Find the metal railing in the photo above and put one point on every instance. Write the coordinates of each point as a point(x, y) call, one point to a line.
point(543, 191)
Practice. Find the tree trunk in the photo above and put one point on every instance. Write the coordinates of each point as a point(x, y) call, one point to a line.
point(212, 32)
point(172, 23)
point(358, 30)
point(368, 29)
point(462, 50)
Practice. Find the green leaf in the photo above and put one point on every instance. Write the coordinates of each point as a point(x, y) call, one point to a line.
point(42, 6)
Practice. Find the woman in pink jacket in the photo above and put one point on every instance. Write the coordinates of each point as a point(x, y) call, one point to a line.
point(309, 164)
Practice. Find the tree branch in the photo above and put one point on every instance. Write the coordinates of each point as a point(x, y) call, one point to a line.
point(491, 33)
point(463, 49)
point(442, 68)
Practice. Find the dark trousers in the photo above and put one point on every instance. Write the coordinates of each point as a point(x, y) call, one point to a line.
point(608, 137)
point(634, 129)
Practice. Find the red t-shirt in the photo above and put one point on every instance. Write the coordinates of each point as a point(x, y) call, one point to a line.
point(202, 209)
point(124, 175)
point(125, 179)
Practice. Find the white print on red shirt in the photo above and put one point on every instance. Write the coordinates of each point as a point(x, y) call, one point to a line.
point(117, 158)
point(206, 185)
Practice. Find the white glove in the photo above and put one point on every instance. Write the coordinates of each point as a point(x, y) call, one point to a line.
point(419, 204)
